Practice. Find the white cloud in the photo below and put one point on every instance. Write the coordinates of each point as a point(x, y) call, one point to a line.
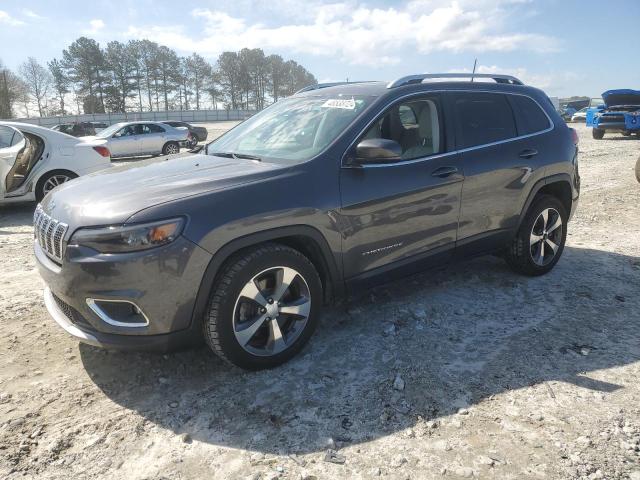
point(9, 20)
point(550, 82)
point(363, 35)
point(31, 14)
point(96, 25)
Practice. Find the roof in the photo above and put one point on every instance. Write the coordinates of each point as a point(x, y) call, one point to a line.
point(420, 82)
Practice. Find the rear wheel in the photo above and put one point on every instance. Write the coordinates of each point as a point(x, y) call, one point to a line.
point(171, 148)
point(263, 307)
point(638, 170)
point(540, 240)
point(598, 133)
point(51, 180)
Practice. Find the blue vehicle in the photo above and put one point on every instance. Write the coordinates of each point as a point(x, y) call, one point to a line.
point(620, 113)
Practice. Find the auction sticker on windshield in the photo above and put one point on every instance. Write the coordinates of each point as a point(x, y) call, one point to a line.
point(347, 104)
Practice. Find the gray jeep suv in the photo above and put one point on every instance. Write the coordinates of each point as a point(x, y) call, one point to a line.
point(332, 189)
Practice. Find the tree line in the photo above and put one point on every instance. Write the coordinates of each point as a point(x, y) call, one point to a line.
point(141, 75)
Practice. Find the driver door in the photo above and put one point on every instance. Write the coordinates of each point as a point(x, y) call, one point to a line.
point(125, 142)
point(398, 213)
point(11, 143)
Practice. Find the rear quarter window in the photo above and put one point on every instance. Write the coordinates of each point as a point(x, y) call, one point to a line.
point(482, 118)
point(529, 115)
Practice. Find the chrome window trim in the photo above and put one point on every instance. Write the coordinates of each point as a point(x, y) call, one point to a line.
point(551, 127)
point(95, 308)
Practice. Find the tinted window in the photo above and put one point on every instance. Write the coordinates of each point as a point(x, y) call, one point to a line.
point(482, 118)
point(415, 125)
point(529, 116)
point(153, 128)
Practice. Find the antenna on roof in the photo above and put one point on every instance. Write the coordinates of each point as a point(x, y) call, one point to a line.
point(475, 62)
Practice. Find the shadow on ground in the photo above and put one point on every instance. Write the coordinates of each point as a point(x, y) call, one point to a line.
point(455, 336)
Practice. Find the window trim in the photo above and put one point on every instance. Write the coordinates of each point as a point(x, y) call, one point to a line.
point(345, 164)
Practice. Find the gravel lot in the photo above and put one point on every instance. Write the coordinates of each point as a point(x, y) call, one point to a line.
point(466, 372)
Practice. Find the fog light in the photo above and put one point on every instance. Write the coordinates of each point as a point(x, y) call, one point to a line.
point(119, 313)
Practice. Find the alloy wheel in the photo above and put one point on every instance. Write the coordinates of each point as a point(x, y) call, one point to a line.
point(53, 182)
point(546, 237)
point(171, 149)
point(271, 311)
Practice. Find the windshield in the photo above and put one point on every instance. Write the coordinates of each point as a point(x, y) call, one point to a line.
point(107, 132)
point(292, 130)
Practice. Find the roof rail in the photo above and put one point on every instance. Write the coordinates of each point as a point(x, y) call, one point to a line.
point(412, 79)
point(318, 86)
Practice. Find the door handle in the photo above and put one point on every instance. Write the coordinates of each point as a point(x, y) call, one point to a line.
point(528, 153)
point(444, 172)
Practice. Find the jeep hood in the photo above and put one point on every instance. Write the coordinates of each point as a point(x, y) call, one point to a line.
point(614, 98)
point(111, 197)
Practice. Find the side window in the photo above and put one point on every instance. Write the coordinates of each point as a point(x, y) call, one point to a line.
point(8, 137)
point(153, 128)
point(529, 116)
point(415, 125)
point(125, 131)
point(482, 118)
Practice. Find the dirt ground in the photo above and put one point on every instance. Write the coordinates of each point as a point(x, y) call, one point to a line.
point(470, 371)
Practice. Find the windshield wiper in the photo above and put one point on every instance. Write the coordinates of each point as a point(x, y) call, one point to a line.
point(236, 155)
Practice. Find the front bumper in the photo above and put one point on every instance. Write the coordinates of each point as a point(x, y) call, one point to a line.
point(152, 343)
point(163, 282)
point(612, 126)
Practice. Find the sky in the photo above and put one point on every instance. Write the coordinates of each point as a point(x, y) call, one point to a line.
point(565, 47)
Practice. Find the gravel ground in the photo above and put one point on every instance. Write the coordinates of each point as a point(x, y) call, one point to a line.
point(466, 372)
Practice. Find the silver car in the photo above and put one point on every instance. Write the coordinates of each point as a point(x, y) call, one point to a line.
point(132, 139)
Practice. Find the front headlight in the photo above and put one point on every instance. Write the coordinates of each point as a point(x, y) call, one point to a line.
point(128, 238)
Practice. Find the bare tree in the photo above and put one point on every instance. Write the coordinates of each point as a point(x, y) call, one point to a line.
point(38, 81)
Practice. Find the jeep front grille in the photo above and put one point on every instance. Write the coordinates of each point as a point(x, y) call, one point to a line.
point(49, 234)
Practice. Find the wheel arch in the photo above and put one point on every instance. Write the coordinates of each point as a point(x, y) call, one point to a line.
point(558, 186)
point(37, 181)
point(307, 240)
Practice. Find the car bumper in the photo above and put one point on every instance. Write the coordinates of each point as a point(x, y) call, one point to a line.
point(162, 283)
point(612, 127)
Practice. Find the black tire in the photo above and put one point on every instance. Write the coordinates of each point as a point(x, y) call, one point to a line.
point(218, 325)
point(41, 187)
point(638, 170)
point(597, 133)
point(519, 255)
point(169, 146)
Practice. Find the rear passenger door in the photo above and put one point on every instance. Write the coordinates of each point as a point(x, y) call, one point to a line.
point(497, 135)
point(394, 213)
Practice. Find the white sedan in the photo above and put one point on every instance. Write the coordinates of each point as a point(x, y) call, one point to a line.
point(34, 160)
point(580, 115)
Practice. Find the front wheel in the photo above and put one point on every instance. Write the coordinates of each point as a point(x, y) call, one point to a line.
point(51, 180)
point(263, 307)
point(597, 133)
point(540, 240)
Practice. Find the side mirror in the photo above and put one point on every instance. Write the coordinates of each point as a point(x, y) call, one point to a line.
point(378, 150)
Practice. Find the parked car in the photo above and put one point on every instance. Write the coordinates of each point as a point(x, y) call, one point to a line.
point(580, 115)
point(78, 129)
point(566, 113)
point(619, 114)
point(319, 194)
point(199, 133)
point(34, 160)
point(99, 125)
point(134, 139)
